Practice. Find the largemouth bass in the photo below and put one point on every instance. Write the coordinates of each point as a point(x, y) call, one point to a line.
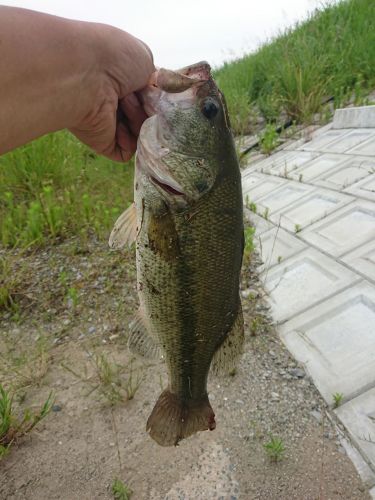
point(188, 223)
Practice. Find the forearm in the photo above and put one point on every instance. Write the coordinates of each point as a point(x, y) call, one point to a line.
point(56, 73)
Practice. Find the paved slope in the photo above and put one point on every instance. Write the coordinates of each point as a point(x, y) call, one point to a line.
point(315, 201)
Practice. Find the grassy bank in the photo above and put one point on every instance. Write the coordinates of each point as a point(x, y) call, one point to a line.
point(56, 187)
point(330, 54)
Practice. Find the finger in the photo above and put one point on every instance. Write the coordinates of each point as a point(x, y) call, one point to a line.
point(147, 49)
point(134, 112)
point(126, 142)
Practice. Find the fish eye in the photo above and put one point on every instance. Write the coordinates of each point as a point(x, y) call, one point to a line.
point(210, 109)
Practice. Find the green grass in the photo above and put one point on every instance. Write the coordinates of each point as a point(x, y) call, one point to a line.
point(14, 426)
point(330, 54)
point(115, 383)
point(337, 399)
point(56, 187)
point(275, 449)
point(120, 490)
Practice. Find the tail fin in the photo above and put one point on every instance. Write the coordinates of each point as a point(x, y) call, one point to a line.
point(173, 419)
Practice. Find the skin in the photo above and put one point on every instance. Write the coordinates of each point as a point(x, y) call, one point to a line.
point(57, 73)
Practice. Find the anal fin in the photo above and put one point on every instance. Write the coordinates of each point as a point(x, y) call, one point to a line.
point(140, 341)
point(124, 231)
point(227, 356)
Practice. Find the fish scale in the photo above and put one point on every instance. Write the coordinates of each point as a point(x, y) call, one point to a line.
point(189, 247)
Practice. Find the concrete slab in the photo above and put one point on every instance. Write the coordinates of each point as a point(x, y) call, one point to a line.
point(304, 280)
point(362, 259)
point(364, 188)
point(320, 166)
point(283, 196)
point(265, 186)
point(250, 179)
point(290, 162)
point(261, 225)
point(344, 230)
point(265, 164)
point(365, 472)
point(358, 416)
point(319, 143)
point(350, 140)
point(308, 134)
point(365, 148)
point(310, 208)
point(347, 173)
point(246, 141)
point(335, 340)
point(359, 117)
point(276, 245)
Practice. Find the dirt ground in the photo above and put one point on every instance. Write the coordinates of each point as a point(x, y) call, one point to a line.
point(85, 442)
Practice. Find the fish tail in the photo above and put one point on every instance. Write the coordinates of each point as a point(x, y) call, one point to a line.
point(173, 419)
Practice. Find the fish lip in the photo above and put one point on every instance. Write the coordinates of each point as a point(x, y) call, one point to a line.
point(167, 186)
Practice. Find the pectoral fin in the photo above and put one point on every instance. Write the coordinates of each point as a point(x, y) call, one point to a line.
point(140, 341)
point(124, 231)
point(229, 352)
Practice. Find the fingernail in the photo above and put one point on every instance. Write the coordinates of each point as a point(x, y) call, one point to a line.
point(132, 100)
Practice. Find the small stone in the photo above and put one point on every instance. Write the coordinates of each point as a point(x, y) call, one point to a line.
point(66, 322)
point(92, 329)
point(297, 372)
point(56, 408)
point(275, 396)
point(317, 415)
point(250, 292)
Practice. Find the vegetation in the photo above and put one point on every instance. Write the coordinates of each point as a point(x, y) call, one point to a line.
point(337, 399)
point(12, 426)
point(115, 383)
point(120, 490)
point(330, 54)
point(249, 241)
point(275, 449)
point(25, 365)
point(56, 187)
point(269, 139)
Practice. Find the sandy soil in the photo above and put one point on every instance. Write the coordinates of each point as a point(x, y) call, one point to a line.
point(85, 443)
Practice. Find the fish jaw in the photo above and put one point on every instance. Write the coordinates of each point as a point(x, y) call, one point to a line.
point(149, 163)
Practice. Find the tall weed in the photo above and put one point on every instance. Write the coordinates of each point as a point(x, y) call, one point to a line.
point(332, 53)
point(55, 187)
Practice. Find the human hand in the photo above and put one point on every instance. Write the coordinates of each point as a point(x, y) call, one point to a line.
point(111, 122)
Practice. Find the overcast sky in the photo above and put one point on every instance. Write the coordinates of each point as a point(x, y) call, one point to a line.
point(183, 32)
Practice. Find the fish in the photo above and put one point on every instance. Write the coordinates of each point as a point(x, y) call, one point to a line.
point(187, 221)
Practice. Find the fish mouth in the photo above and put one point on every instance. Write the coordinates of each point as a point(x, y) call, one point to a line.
point(166, 187)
